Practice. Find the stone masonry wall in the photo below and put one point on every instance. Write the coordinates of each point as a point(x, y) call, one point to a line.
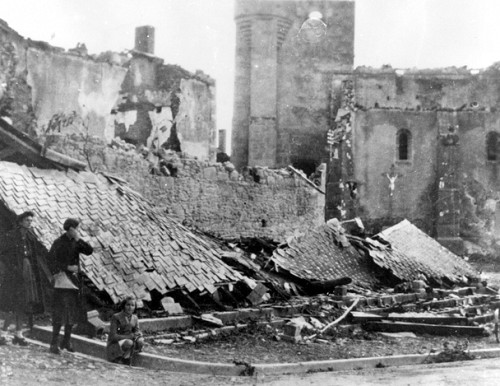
point(445, 193)
point(285, 61)
point(212, 197)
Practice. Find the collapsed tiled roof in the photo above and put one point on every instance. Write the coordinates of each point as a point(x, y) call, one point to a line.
point(412, 252)
point(136, 249)
point(405, 251)
point(325, 254)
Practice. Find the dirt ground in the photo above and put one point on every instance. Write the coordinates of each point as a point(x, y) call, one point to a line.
point(258, 345)
point(255, 344)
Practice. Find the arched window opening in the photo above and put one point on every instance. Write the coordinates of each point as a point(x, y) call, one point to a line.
point(404, 145)
point(492, 146)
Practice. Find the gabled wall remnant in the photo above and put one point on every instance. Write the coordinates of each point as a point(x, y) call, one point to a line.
point(133, 96)
point(65, 83)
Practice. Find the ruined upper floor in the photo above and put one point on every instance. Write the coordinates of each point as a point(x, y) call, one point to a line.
point(451, 88)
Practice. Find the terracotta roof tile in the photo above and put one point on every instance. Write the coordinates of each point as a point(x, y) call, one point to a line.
point(318, 256)
point(128, 234)
point(414, 251)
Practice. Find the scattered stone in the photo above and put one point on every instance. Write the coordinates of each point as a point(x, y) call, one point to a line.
point(171, 307)
point(399, 335)
point(316, 323)
point(291, 332)
point(190, 339)
point(210, 319)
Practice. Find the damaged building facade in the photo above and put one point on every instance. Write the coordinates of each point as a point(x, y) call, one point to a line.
point(416, 144)
point(103, 110)
point(48, 92)
point(125, 143)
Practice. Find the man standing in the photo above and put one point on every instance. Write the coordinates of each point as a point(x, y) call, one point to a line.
point(64, 258)
point(20, 281)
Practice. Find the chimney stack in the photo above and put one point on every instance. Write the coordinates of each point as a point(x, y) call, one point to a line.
point(145, 39)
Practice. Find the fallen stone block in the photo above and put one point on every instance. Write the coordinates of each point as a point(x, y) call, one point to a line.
point(399, 335)
point(94, 326)
point(171, 307)
point(258, 294)
point(316, 323)
point(291, 332)
point(302, 323)
point(164, 341)
point(190, 339)
point(209, 319)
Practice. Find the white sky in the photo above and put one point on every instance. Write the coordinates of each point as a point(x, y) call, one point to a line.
point(200, 34)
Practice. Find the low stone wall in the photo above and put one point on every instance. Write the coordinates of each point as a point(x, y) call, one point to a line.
point(212, 197)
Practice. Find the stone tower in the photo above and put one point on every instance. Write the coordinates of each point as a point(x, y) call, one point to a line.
point(288, 53)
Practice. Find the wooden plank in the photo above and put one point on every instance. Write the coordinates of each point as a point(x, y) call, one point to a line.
point(363, 317)
point(483, 319)
point(22, 143)
point(421, 328)
point(443, 320)
point(453, 302)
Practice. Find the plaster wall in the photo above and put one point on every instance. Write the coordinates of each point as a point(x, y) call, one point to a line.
point(64, 83)
point(141, 74)
point(474, 127)
point(161, 122)
point(138, 102)
point(425, 90)
point(195, 120)
point(374, 151)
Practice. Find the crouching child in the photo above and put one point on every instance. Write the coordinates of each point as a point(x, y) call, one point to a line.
point(125, 338)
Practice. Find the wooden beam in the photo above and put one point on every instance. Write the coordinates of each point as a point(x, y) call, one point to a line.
point(444, 320)
point(483, 319)
point(25, 145)
point(421, 328)
point(363, 317)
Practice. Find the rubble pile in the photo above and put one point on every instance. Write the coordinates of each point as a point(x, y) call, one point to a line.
point(396, 256)
point(138, 250)
point(462, 312)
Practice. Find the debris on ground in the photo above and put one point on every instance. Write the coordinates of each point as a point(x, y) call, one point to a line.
point(452, 353)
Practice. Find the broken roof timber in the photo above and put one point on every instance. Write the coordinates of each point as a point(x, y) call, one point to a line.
point(19, 142)
point(304, 178)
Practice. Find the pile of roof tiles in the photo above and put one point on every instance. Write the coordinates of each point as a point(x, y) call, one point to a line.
point(402, 253)
point(325, 254)
point(422, 249)
point(136, 248)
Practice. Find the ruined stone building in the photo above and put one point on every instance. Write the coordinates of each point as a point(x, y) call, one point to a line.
point(69, 105)
point(133, 95)
point(416, 144)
